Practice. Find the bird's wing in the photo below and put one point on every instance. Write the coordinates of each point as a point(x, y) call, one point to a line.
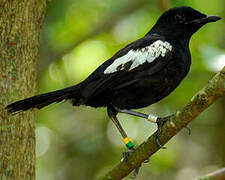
point(139, 56)
point(145, 56)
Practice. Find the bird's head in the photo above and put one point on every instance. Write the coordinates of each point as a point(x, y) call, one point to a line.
point(181, 22)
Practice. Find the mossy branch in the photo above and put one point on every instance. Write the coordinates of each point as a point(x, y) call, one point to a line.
point(214, 90)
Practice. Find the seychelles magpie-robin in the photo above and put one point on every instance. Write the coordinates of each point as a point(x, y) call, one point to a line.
point(140, 74)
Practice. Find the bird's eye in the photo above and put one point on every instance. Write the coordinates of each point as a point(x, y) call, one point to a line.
point(180, 18)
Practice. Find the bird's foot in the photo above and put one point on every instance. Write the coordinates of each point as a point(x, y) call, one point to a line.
point(160, 121)
point(126, 154)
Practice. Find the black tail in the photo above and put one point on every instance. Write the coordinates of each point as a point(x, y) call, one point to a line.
point(42, 100)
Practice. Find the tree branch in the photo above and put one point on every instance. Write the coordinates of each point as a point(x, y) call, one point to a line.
point(216, 175)
point(214, 90)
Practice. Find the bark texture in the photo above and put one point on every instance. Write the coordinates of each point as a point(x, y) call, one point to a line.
point(214, 90)
point(20, 24)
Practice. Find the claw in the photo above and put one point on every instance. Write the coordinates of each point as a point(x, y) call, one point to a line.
point(189, 129)
point(125, 158)
point(158, 138)
point(126, 154)
point(160, 122)
point(146, 160)
point(136, 171)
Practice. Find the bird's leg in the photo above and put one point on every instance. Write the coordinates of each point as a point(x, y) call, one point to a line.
point(129, 144)
point(158, 120)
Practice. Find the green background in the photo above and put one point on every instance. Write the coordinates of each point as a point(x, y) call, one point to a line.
point(80, 142)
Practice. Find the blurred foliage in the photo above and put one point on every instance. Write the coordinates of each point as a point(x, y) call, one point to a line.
point(81, 143)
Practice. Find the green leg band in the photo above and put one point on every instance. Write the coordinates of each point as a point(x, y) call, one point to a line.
point(130, 145)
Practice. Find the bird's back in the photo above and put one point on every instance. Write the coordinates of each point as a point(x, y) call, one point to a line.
point(143, 85)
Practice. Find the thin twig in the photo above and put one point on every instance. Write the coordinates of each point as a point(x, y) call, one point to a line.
point(216, 175)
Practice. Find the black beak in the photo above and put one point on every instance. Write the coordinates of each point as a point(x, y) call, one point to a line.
point(207, 19)
point(212, 18)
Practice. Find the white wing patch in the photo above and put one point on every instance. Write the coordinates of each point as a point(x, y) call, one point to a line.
point(134, 58)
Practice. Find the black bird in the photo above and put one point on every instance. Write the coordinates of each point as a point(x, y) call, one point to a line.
point(140, 74)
